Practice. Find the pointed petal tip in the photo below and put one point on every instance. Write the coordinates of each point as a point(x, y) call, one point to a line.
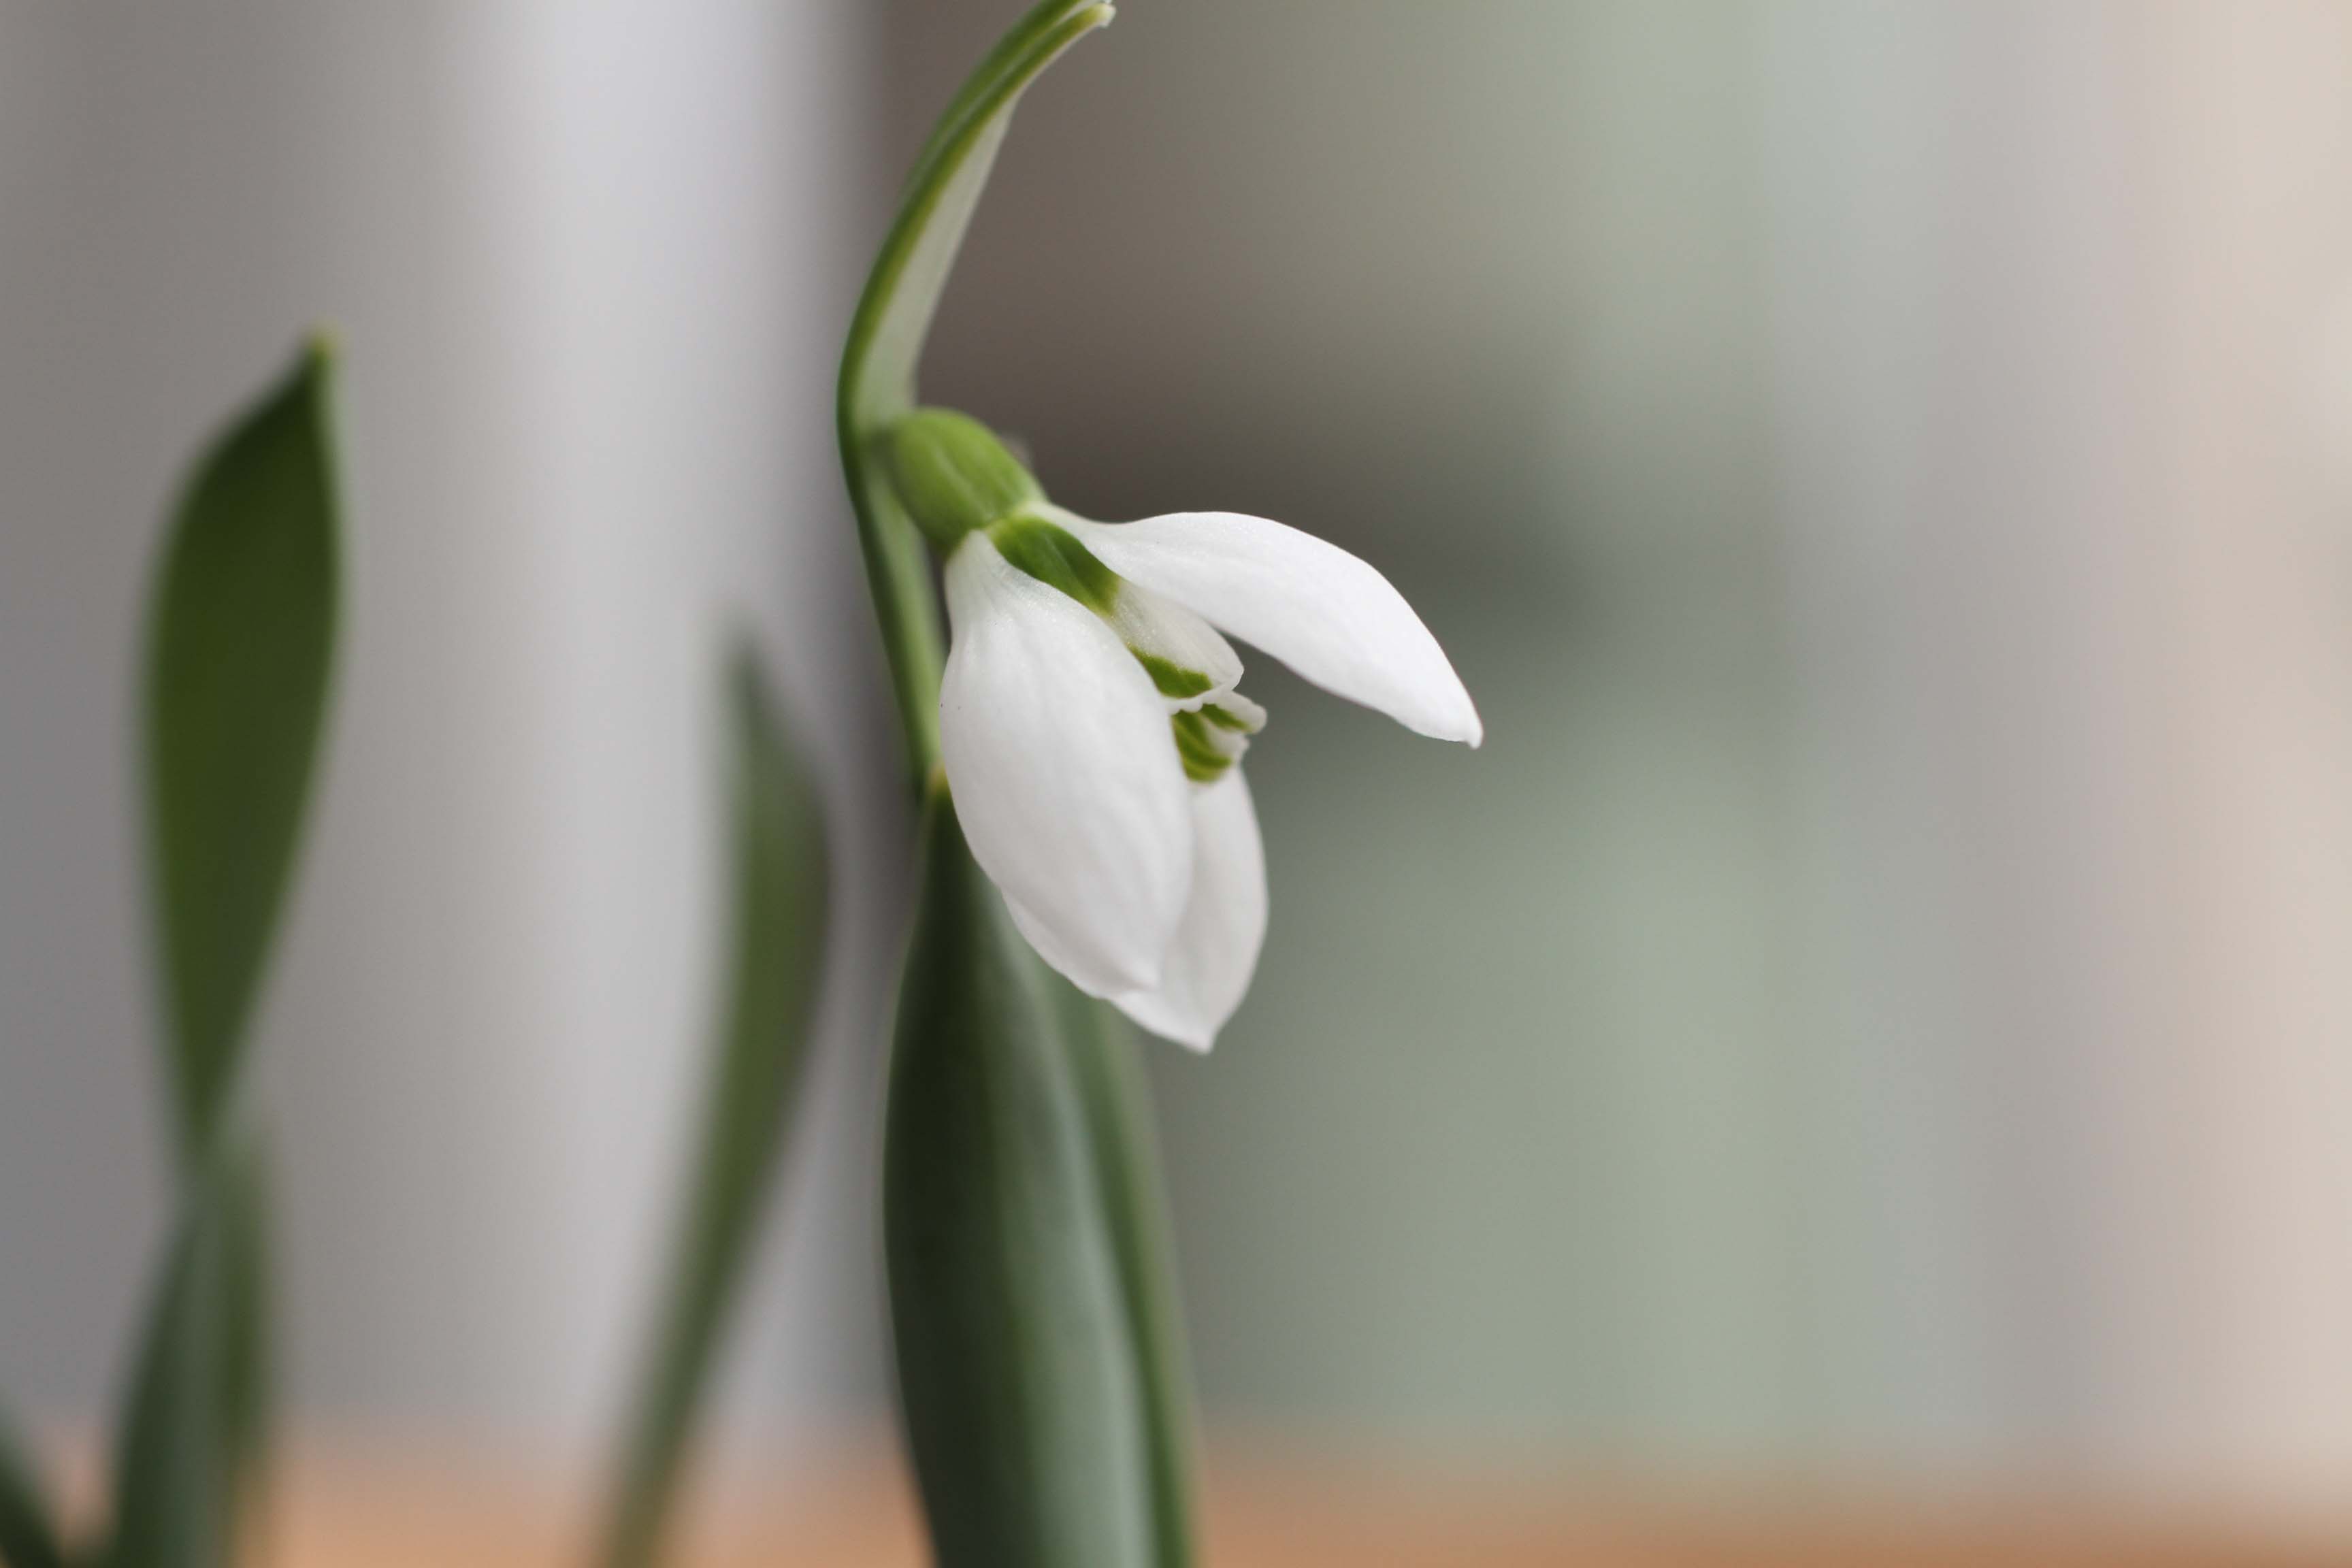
point(1149, 1012)
point(1454, 719)
point(1145, 975)
point(1329, 615)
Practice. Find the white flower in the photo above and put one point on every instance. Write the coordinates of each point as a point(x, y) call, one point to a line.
point(1092, 732)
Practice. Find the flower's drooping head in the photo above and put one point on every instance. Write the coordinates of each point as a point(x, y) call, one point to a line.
point(1090, 723)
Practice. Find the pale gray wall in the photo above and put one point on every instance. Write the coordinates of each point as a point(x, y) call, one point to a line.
point(587, 262)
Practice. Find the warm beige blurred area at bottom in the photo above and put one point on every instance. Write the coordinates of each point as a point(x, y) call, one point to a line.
point(358, 1507)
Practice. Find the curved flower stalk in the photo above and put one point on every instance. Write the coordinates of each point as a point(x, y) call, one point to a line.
point(885, 339)
point(1070, 759)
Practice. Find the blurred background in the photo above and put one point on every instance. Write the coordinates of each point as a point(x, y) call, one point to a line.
point(1878, 1010)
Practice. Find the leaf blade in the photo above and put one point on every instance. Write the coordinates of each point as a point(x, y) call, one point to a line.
point(184, 1454)
point(241, 636)
point(1107, 1057)
point(778, 930)
point(1017, 1372)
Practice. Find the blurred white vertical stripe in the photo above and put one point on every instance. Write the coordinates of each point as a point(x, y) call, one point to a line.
point(2254, 106)
point(587, 261)
point(1857, 107)
point(2073, 607)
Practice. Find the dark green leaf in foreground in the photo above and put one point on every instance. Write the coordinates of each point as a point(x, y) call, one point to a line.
point(1025, 1399)
point(240, 636)
point(1107, 1058)
point(27, 1537)
point(184, 1465)
point(777, 948)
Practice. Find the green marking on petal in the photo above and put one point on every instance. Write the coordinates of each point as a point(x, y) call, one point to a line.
point(1053, 556)
point(1226, 719)
point(1205, 773)
point(1193, 740)
point(1206, 751)
point(1172, 678)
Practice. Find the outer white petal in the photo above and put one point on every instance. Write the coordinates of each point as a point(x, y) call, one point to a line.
point(1216, 949)
point(1053, 951)
point(1319, 609)
point(1065, 777)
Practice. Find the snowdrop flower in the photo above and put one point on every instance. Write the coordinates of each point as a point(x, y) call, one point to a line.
point(1090, 721)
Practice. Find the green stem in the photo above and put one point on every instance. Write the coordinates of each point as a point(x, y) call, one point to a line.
point(885, 339)
point(898, 573)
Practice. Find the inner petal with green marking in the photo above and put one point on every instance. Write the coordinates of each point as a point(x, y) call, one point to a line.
point(1190, 663)
point(1213, 737)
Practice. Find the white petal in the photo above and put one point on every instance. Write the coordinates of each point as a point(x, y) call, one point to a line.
point(1057, 952)
point(1064, 774)
point(1155, 624)
point(1319, 609)
point(1248, 714)
point(1216, 949)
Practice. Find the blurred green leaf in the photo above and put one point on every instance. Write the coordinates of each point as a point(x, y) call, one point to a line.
point(183, 1466)
point(249, 1372)
point(241, 636)
point(1026, 1408)
point(778, 950)
point(1107, 1058)
point(885, 339)
point(28, 1539)
point(240, 642)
